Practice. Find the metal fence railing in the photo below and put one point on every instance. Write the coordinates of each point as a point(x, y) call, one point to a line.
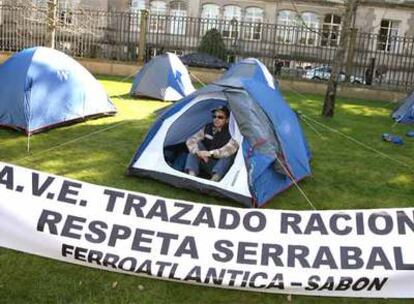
point(306, 53)
point(82, 33)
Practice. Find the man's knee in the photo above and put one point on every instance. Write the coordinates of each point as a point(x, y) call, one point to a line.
point(222, 166)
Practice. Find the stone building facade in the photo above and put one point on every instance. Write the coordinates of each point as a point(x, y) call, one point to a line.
point(372, 15)
point(299, 33)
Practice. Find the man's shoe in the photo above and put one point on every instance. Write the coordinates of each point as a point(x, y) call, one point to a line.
point(215, 177)
point(192, 173)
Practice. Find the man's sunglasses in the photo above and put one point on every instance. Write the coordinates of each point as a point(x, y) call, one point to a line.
point(219, 117)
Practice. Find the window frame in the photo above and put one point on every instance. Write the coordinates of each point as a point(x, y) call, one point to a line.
point(286, 27)
point(209, 21)
point(254, 26)
point(331, 29)
point(309, 34)
point(135, 9)
point(158, 22)
point(178, 17)
point(232, 23)
point(390, 44)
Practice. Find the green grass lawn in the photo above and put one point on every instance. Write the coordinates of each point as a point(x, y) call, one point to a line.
point(346, 175)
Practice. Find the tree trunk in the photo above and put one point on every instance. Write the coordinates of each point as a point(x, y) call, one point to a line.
point(51, 23)
point(143, 36)
point(329, 103)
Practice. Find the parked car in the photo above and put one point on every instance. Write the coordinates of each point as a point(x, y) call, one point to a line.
point(324, 73)
point(318, 73)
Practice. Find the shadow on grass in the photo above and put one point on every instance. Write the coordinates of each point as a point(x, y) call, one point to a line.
point(115, 78)
point(8, 133)
point(129, 97)
point(351, 161)
point(125, 96)
point(314, 103)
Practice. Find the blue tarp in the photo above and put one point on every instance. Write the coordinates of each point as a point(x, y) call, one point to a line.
point(41, 88)
point(204, 60)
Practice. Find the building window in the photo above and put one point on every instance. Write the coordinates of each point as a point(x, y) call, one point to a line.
point(387, 36)
point(210, 11)
point(288, 18)
point(39, 3)
point(210, 17)
point(135, 9)
point(232, 17)
point(286, 31)
point(158, 11)
point(65, 17)
point(65, 9)
point(331, 30)
point(310, 29)
point(158, 7)
point(178, 12)
point(38, 10)
point(137, 5)
point(253, 25)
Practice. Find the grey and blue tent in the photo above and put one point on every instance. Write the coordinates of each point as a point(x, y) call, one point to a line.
point(41, 88)
point(273, 151)
point(165, 77)
point(405, 112)
point(250, 68)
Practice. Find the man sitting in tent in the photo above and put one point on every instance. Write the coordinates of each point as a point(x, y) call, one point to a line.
point(212, 148)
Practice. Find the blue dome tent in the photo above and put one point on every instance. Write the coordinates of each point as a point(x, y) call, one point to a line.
point(405, 112)
point(41, 88)
point(273, 151)
point(164, 77)
point(250, 68)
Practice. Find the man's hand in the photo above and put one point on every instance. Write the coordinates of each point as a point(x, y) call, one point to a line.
point(204, 155)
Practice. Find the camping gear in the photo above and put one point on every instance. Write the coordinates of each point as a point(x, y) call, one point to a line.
point(204, 60)
point(395, 139)
point(410, 133)
point(405, 112)
point(164, 77)
point(41, 88)
point(250, 68)
point(273, 153)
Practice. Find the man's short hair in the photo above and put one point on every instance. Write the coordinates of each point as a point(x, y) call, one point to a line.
point(223, 109)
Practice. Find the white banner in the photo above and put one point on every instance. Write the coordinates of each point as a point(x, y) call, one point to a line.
point(352, 253)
